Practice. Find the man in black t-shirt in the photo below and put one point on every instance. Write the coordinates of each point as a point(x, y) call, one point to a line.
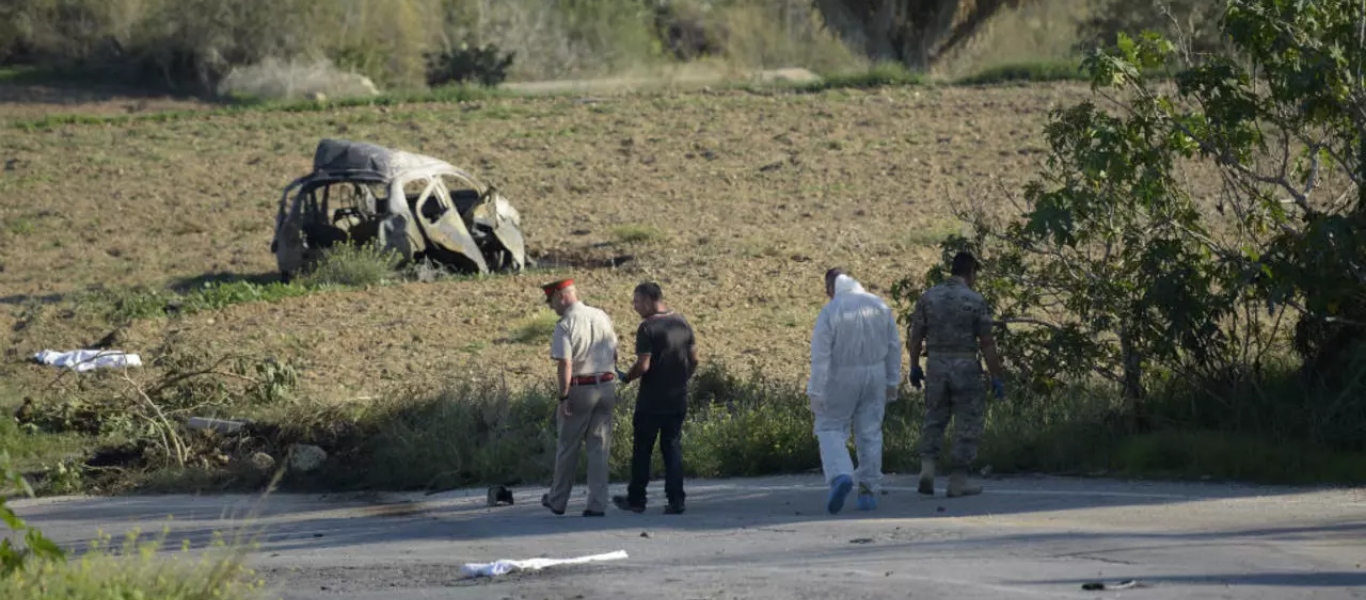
point(666, 358)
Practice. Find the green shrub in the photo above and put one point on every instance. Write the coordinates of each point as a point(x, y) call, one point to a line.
point(347, 265)
point(879, 75)
point(1027, 72)
point(637, 234)
point(484, 65)
point(36, 546)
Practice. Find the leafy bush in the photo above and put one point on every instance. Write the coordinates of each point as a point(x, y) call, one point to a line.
point(689, 30)
point(472, 434)
point(1115, 269)
point(36, 545)
point(1195, 21)
point(463, 64)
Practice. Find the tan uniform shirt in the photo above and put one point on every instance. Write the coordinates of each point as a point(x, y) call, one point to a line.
point(585, 336)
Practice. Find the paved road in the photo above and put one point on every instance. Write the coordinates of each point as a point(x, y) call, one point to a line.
point(1027, 537)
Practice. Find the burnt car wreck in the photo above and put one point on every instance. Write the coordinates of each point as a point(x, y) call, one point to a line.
point(421, 207)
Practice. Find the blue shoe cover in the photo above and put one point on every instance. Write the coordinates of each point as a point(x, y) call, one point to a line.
point(867, 502)
point(839, 488)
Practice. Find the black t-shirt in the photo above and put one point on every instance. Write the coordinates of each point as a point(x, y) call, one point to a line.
point(667, 338)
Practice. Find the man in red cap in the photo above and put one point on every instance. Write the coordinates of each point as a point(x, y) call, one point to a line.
point(584, 347)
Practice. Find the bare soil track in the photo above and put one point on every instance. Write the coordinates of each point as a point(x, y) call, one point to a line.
point(743, 198)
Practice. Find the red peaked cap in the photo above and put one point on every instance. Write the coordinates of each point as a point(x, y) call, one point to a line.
point(551, 288)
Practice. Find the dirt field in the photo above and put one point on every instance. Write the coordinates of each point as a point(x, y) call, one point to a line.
point(745, 200)
point(28, 102)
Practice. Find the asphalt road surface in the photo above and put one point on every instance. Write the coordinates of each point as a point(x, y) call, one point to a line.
point(769, 538)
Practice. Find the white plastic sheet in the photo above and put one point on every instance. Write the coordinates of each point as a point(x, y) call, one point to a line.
point(83, 361)
point(503, 567)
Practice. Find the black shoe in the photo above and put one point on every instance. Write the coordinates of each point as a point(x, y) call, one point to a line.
point(624, 504)
point(545, 501)
point(674, 508)
point(593, 513)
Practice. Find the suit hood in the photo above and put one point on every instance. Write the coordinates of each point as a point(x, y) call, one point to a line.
point(845, 284)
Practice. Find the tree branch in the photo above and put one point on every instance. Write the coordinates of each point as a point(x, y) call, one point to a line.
point(167, 431)
point(213, 369)
point(1026, 321)
point(1224, 158)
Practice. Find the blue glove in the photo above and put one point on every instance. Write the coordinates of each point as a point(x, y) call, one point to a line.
point(999, 387)
point(621, 376)
point(917, 377)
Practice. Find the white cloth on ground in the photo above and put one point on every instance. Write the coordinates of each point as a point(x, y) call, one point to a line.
point(505, 566)
point(855, 357)
point(88, 360)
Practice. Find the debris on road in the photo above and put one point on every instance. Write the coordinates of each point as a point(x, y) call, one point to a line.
point(505, 566)
point(83, 361)
point(499, 494)
point(1099, 585)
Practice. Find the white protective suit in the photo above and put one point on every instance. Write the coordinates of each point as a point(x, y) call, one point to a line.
point(855, 359)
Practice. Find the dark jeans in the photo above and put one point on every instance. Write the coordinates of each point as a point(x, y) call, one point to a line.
point(668, 429)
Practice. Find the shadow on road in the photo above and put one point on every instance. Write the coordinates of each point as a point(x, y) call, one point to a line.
point(1316, 579)
point(301, 523)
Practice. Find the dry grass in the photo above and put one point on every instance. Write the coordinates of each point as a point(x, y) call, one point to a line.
point(137, 568)
point(758, 194)
point(1037, 32)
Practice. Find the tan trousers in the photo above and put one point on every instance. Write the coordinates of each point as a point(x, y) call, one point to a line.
point(590, 424)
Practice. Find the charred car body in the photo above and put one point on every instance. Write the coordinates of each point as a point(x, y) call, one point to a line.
point(419, 206)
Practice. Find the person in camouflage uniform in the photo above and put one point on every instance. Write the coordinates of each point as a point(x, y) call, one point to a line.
point(953, 322)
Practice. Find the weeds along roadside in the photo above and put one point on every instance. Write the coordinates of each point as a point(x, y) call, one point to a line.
point(740, 424)
point(108, 432)
point(33, 567)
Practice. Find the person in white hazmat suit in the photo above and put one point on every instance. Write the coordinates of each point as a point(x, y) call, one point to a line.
point(855, 372)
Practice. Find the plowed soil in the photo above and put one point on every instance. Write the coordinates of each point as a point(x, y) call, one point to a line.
point(744, 199)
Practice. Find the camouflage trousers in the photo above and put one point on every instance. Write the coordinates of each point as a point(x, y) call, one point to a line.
point(954, 388)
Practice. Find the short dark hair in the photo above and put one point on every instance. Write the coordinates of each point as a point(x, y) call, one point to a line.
point(651, 291)
point(965, 264)
point(832, 274)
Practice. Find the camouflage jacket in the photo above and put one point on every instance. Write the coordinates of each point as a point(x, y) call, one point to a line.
point(950, 317)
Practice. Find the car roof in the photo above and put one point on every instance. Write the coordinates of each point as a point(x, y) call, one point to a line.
point(346, 159)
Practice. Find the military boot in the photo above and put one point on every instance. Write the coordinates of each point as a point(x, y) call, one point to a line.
point(927, 476)
point(959, 486)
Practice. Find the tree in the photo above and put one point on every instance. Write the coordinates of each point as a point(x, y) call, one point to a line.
point(1117, 269)
point(912, 32)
